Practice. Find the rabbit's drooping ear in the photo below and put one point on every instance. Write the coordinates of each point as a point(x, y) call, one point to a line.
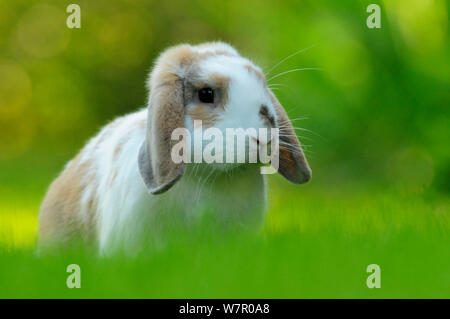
point(292, 162)
point(165, 114)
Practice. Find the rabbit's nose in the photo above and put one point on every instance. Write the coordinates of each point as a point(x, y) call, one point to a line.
point(267, 116)
point(259, 142)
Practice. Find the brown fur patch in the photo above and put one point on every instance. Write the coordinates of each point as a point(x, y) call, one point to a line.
point(223, 52)
point(169, 63)
point(118, 150)
point(166, 113)
point(204, 113)
point(268, 119)
point(293, 164)
point(220, 80)
point(59, 218)
point(218, 48)
point(255, 71)
point(223, 83)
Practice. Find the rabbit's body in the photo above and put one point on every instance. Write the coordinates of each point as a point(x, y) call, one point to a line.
point(101, 196)
point(125, 183)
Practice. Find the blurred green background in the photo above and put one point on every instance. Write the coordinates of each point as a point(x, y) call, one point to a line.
point(376, 136)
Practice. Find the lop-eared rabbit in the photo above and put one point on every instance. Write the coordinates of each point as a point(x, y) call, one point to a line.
point(121, 184)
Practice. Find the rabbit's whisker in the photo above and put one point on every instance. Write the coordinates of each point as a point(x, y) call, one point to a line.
point(293, 70)
point(299, 119)
point(297, 136)
point(270, 86)
point(288, 57)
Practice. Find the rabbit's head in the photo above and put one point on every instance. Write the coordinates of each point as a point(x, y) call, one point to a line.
point(213, 84)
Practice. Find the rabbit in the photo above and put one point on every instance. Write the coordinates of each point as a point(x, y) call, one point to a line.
point(123, 181)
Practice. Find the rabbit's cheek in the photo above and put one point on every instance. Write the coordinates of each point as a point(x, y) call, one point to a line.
point(207, 115)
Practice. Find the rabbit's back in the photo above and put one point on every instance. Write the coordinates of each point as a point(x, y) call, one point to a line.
point(74, 202)
point(101, 197)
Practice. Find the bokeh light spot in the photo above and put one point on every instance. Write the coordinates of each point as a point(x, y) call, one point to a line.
point(122, 36)
point(342, 57)
point(42, 31)
point(15, 90)
point(422, 23)
point(411, 169)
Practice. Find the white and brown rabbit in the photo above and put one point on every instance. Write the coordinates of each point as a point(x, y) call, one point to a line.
point(114, 191)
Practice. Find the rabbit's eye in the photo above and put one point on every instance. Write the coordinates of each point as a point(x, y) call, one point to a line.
point(206, 95)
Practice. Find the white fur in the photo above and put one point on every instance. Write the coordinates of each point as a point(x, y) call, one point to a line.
point(126, 212)
point(246, 94)
point(125, 209)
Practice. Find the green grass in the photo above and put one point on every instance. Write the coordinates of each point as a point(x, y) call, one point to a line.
point(317, 243)
point(288, 265)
